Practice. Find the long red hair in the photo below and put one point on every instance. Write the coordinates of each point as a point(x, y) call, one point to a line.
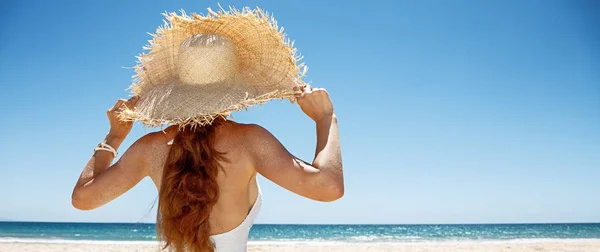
point(189, 190)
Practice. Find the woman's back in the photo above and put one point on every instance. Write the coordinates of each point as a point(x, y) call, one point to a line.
point(207, 177)
point(238, 188)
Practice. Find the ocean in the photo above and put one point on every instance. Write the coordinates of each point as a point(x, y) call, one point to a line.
point(134, 232)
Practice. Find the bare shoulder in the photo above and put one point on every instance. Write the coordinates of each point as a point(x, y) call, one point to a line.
point(243, 134)
point(151, 150)
point(158, 138)
point(259, 145)
point(247, 141)
point(231, 133)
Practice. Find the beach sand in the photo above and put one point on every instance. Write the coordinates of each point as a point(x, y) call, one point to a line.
point(583, 245)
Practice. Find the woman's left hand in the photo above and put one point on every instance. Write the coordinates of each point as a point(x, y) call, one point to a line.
point(120, 128)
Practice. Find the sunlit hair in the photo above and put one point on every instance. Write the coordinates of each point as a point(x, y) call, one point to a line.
point(189, 190)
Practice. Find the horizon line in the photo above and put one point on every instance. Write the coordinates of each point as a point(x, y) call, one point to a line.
point(324, 224)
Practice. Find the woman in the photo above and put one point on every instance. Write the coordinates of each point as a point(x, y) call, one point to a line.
point(208, 193)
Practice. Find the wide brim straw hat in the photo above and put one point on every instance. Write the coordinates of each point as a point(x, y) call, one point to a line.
point(199, 68)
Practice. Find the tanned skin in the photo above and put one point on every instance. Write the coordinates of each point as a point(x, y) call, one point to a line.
point(250, 149)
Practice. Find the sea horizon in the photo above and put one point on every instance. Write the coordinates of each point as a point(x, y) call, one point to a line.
point(95, 232)
point(316, 224)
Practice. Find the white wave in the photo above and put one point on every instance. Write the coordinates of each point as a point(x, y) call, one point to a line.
point(415, 242)
point(307, 242)
point(63, 241)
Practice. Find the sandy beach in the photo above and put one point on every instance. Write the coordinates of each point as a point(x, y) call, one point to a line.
point(587, 245)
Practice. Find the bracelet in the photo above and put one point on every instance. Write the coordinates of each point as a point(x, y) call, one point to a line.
point(105, 147)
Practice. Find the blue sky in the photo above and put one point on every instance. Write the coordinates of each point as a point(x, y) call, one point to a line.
point(449, 111)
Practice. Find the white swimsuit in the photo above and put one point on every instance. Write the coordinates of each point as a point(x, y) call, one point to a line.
point(237, 239)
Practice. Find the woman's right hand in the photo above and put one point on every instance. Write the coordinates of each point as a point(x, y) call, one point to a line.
point(118, 128)
point(315, 103)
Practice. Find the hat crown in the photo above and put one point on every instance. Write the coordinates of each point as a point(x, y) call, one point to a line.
point(206, 58)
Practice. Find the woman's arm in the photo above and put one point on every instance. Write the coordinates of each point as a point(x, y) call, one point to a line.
point(99, 182)
point(323, 180)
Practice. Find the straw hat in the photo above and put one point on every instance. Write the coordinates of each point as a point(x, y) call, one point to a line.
point(199, 68)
